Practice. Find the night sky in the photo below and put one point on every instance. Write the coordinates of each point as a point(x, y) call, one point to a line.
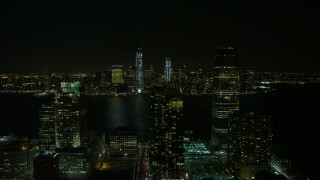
point(76, 36)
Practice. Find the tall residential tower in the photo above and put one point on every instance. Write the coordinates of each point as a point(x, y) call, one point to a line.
point(166, 151)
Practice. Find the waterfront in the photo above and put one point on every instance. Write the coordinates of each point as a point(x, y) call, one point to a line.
point(290, 106)
point(108, 112)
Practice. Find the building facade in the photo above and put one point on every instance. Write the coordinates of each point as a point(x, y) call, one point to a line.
point(167, 70)
point(166, 151)
point(117, 74)
point(75, 163)
point(123, 140)
point(16, 159)
point(250, 142)
point(225, 94)
point(47, 130)
point(70, 116)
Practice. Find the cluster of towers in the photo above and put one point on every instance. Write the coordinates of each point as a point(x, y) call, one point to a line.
point(67, 150)
point(63, 123)
point(63, 131)
point(243, 138)
point(139, 70)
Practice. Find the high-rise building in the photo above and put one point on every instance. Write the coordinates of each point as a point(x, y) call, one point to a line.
point(46, 166)
point(167, 70)
point(16, 159)
point(225, 94)
point(250, 140)
point(70, 116)
point(117, 74)
point(166, 151)
point(47, 130)
point(76, 157)
point(139, 69)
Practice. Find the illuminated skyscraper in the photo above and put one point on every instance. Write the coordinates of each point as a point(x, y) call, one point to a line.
point(167, 70)
point(166, 152)
point(225, 94)
point(117, 74)
point(139, 69)
point(70, 116)
point(71, 135)
point(47, 130)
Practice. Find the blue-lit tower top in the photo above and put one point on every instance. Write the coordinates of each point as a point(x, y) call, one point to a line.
point(167, 70)
point(139, 69)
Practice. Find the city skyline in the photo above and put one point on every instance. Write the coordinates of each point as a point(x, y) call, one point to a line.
point(90, 37)
point(78, 116)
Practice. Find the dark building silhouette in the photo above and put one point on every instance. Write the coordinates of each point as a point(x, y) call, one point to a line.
point(46, 166)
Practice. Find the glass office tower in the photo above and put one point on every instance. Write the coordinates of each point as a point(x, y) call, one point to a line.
point(139, 69)
point(225, 95)
point(70, 116)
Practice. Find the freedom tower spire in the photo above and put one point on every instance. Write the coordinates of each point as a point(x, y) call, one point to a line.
point(139, 69)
